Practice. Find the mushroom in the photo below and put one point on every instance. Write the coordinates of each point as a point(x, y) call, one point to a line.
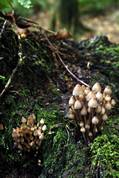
point(108, 106)
point(82, 129)
point(70, 115)
point(83, 111)
point(113, 102)
point(98, 109)
point(99, 96)
point(87, 90)
point(104, 117)
point(42, 121)
point(76, 90)
point(107, 98)
point(77, 104)
point(93, 103)
point(88, 107)
point(81, 124)
point(90, 134)
point(103, 110)
point(87, 126)
point(71, 101)
point(108, 90)
point(96, 87)
point(90, 95)
point(44, 128)
point(95, 120)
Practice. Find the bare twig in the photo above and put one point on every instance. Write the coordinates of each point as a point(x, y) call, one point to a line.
point(3, 27)
point(56, 54)
point(12, 75)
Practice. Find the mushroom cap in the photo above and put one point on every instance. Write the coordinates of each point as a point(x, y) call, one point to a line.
point(81, 97)
point(99, 96)
point(95, 129)
point(93, 103)
point(105, 117)
point(23, 120)
point(77, 90)
point(82, 129)
point(41, 137)
point(90, 95)
point(83, 111)
point(107, 98)
point(95, 120)
point(81, 124)
point(44, 128)
point(98, 109)
point(113, 102)
point(77, 104)
point(87, 126)
point(108, 90)
point(103, 110)
point(89, 110)
point(71, 101)
point(90, 134)
point(87, 90)
point(96, 87)
point(70, 115)
point(42, 121)
point(108, 106)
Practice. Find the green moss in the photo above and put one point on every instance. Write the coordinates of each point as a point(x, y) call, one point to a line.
point(105, 149)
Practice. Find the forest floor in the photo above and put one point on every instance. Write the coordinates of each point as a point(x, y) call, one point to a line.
point(103, 25)
point(107, 24)
point(42, 84)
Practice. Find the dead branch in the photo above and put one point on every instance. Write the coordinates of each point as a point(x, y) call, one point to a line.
point(57, 54)
point(12, 75)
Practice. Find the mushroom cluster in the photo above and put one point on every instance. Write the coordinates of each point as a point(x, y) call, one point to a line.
point(30, 134)
point(89, 107)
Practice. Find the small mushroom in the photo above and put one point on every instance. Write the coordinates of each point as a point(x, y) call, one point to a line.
point(99, 96)
point(108, 90)
point(81, 124)
point(96, 87)
point(113, 102)
point(93, 103)
point(70, 115)
point(82, 129)
point(76, 90)
point(108, 106)
point(104, 117)
point(95, 129)
point(23, 120)
point(42, 121)
point(83, 111)
point(77, 104)
point(71, 101)
point(95, 120)
point(87, 90)
point(90, 96)
point(87, 126)
point(107, 98)
point(98, 109)
point(90, 134)
point(44, 128)
point(103, 110)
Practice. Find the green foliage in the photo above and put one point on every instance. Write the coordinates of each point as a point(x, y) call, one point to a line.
point(8, 5)
point(105, 154)
point(25, 3)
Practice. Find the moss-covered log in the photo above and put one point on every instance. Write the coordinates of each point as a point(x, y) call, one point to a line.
point(42, 85)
